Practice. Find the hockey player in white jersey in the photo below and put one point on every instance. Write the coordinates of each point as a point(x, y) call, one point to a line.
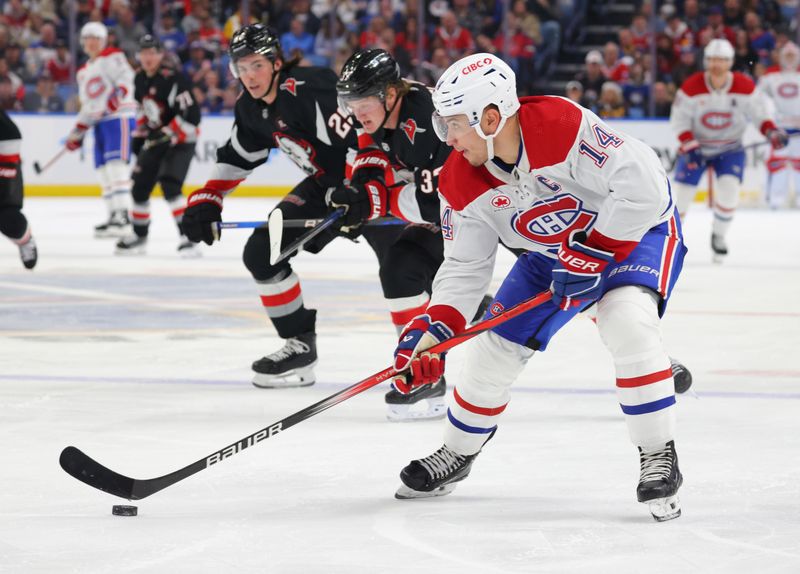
point(782, 85)
point(105, 88)
point(709, 117)
point(592, 209)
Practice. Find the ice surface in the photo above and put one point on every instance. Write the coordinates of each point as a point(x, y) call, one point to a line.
point(144, 364)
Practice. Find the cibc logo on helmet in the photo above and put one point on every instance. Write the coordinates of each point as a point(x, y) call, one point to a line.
point(476, 65)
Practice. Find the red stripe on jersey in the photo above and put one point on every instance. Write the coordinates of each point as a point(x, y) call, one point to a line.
point(178, 212)
point(742, 84)
point(557, 117)
point(488, 412)
point(281, 298)
point(670, 248)
point(140, 215)
point(633, 382)
point(394, 203)
point(11, 158)
point(403, 317)
point(695, 84)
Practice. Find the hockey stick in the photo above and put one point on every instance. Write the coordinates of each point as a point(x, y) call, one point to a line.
point(275, 225)
point(294, 223)
point(40, 168)
point(79, 465)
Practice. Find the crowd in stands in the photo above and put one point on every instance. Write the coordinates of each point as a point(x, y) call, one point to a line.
point(36, 56)
point(616, 82)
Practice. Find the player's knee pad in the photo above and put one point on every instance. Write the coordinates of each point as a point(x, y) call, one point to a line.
point(628, 322)
point(171, 187)
point(12, 222)
point(256, 257)
point(683, 193)
point(492, 365)
point(726, 193)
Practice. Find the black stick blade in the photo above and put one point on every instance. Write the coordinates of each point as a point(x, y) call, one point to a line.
point(91, 472)
point(36, 167)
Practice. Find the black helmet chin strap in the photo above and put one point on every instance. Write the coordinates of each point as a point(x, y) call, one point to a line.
point(387, 113)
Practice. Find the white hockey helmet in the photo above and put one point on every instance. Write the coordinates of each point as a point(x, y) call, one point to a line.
point(94, 30)
point(718, 48)
point(789, 56)
point(467, 87)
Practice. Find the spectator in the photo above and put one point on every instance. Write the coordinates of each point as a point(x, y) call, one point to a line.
point(328, 42)
point(214, 94)
point(574, 91)
point(761, 41)
point(665, 57)
point(233, 23)
point(640, 33)
point(15, 16)
point(592, 78)
point(41, 51)
point(614, 67)
point(44, 98)
point(16, 63)
point(744, 55)
point(468, 17)
point(229, 98)
point(626, 45)
point(302, 9)
point(172, 38)
point(210, 33)
point(456, 40)
point(716, 28)
point(692, 17)
point(13, 90)
point(662, 99)
point(547, 49)
point(611, 103)
point(388, 42)
point(198, 63)
point(679, 32)
point(686, 66)
point(128, 31)
point(297, 42)
point(407, 39)
point(369, 37)
point(440, 61)
point(194, 19)
point(59, 66)
point(733, 14)
point(636, 93)
point(520, 53)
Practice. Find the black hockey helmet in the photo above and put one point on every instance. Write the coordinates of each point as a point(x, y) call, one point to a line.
point(149, 41)
point(367, 73)
point(254, 39)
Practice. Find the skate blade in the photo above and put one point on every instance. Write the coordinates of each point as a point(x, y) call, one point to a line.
point(424, 410)
point(664, 509)
point(295, 378)
point(405, 493)
point(189, 253)
point(118, 233)
point(718, 259)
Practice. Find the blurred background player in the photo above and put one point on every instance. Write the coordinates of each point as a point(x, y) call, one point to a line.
point(539, 173)
point(396, 172)
point(295, 109)
point(164, 141)
point(709, 117)
point(782, 85)
point(105, 88)
point(13, 223)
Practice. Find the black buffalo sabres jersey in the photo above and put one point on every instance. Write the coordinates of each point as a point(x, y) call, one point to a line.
point(303, 122)
point(417, 155)
point(166, 105)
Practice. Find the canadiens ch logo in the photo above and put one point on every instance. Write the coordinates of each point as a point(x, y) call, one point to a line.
point(717, 120)
point(788, 90)
point(496, 308)
point(550, 222)
point(410, 128)
point(290, 85)
point(501, 201)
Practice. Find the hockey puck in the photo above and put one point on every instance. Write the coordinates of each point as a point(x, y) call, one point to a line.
point(122, 510)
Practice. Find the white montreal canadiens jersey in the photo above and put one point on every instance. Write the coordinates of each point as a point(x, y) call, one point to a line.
point(783, 88)
point(105, 87)
point(717, 118)
point(574, 173)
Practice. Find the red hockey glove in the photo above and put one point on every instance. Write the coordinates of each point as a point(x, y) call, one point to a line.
point(425, 368)
point(778, 138)
point(577, 275)
point(75, 137)
point(203, 210)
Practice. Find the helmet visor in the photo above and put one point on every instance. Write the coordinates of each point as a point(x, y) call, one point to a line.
point(245, 65)
point(450, 127)
point(360, 106)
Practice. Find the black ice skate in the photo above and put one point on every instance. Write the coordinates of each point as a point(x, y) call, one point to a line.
point(28, 253)
point(187, 249)
point(423, 403)
point(659, 482)
point(131, 245)
point(681, 376)
point(434, 475)
point(719, 247)
point(291, 366)
point(118, 225)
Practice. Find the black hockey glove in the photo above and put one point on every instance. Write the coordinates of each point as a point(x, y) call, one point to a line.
point(203, 210)
point(361, 203)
